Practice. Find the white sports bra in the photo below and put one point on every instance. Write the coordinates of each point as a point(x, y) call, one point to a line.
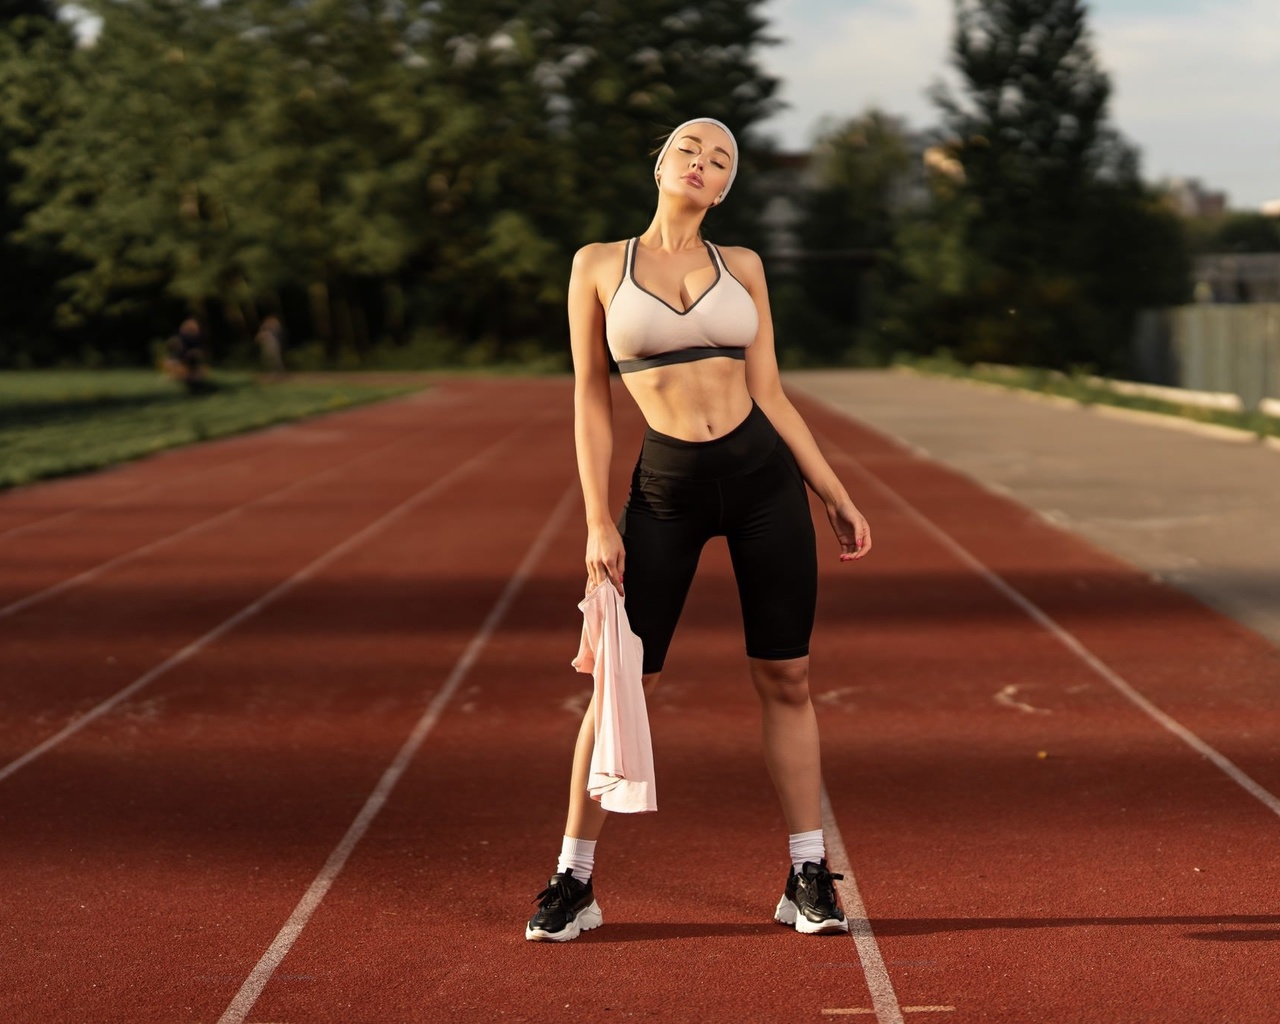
point(644, 331)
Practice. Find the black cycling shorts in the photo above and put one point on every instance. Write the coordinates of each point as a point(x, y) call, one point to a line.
point(746, 487)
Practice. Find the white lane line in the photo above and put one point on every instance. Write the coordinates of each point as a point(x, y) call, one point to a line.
point(270, 597)
point(123, 499)
point(1067, 639)
point(252, 988)
point(62, 586)
point(883, 999)
point(235, 465)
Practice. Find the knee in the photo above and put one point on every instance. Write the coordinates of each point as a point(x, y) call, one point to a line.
point(782, 682)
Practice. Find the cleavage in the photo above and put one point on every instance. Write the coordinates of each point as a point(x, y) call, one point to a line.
point(685, 295)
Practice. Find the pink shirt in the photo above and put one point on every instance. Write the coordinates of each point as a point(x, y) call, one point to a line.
point(622, 762)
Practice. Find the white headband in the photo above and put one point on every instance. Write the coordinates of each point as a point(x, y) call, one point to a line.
point(733, 167)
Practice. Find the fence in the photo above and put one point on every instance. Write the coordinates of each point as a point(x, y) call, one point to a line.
point(1213, 347)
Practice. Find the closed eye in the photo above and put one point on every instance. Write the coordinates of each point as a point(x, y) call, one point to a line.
point(714, 162)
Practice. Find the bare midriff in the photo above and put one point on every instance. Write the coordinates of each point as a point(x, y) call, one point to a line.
point(697, 401)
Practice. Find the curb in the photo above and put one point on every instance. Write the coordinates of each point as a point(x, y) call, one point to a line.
point(1167, 420)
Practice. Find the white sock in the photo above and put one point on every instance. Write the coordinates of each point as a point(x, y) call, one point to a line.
point(579, 854)
point(806, 846)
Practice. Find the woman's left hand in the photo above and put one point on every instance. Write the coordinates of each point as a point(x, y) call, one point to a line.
point(852, 530)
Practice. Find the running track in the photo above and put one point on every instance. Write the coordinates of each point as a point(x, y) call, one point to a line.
point(286, 721)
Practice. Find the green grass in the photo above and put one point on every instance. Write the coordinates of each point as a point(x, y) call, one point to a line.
point(1077, 387)
point(61, 422)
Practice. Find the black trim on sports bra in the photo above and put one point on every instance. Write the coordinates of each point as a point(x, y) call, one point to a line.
point(622, 278)
point(715, 262)
point(727, 270)
point(680, 355)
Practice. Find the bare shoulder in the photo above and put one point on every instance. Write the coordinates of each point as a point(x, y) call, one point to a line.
point(598, 267)
point(744, 264)
point(594, 256)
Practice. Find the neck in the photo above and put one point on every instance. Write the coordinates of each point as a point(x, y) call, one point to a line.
point(674, 228)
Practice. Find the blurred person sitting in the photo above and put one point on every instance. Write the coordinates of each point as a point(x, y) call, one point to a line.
point(185, 358)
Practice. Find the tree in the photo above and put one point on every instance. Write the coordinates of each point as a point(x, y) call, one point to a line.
point(327, 159)
point(32, 41)
point(12, 10)
point(440, 157)
point(847, 235)
point(218, 153)
point(1236, 232)
point(1044, 181)
point(565, 99)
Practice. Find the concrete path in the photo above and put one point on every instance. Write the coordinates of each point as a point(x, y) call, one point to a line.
point(1197, 510)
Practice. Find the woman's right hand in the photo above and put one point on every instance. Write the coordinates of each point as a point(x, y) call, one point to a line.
point(606, 556)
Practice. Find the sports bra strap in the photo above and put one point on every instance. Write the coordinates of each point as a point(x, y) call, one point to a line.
point(626, 267)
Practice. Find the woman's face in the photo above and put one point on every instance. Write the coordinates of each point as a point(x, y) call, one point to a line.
point(697, 164)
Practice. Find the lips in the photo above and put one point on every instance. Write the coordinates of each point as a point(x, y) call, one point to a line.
point(693, 178)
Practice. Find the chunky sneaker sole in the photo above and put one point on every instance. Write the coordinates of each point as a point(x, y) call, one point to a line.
point(586, 919)
point(789, 914)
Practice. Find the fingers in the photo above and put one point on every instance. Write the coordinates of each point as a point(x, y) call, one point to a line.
point(857, 544)
point(600, 570)
point(864, 540)
point(597, 573)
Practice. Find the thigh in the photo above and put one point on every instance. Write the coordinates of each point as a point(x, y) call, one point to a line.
point(664, 527)
point(771, 541)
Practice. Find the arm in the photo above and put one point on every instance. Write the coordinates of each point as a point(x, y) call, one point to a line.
point(593, 415)
point(765, 385)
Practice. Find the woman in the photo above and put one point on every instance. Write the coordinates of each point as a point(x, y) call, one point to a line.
point(725, 454)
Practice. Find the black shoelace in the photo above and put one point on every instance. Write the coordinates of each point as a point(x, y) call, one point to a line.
point(559, 892)
point(824, 885)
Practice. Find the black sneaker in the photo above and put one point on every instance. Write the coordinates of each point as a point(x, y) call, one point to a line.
point(565, 908)
point(809, 903)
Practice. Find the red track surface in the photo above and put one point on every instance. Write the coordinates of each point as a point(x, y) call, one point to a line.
point(1030, 845)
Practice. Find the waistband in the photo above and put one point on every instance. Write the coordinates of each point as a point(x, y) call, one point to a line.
point(744, 448)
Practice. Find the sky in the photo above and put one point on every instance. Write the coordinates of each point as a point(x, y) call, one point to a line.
point(1195, 83)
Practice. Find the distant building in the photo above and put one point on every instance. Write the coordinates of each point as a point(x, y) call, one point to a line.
point(1271, 208)
point(1189, 198)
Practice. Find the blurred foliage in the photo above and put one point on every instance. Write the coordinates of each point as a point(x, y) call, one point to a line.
point(1041, 243)
point(367, 169)
point(33, 45)
point(405, 183)
point(1236, 232)
point(849, 236)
